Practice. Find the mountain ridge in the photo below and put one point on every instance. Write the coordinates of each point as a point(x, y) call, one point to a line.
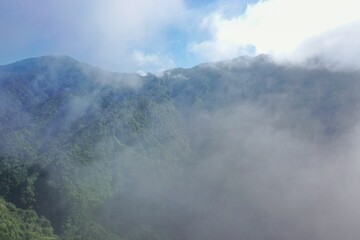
point(106, 155)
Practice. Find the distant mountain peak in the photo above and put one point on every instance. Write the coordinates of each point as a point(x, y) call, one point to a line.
point(41, 63)
point(45, 58)
point(55, 58)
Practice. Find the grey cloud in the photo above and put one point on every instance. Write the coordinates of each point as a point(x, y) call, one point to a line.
point(337, 50)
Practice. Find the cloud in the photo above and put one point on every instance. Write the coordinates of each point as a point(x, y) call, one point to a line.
point(337, 49)
point(127, 25)
point(276, 27)
point(152, 61)
point(107, 33)
point(260, 178)
point(102, 32)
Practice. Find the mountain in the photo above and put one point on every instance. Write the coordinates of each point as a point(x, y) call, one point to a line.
point(240, 149)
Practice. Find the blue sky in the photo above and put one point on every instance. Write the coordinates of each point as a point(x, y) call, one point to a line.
point(153, 35)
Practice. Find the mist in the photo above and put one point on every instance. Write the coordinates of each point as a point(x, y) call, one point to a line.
point(252, 178)
point(240, 149)
point(256, 168)
point(256, 178)
point(259, 141)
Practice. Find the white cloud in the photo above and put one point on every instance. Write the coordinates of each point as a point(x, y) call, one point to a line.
point(125, 25)
point(275, 27)
point(103, 32)
point(152, 61)
point(337, 49)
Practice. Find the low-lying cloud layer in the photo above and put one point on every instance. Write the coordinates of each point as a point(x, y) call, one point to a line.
point(255, 174)
point(261, 179)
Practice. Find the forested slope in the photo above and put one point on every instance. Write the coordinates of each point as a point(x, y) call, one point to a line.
point(103, 155)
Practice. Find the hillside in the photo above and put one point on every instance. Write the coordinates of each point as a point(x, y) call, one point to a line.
point(241, 149)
